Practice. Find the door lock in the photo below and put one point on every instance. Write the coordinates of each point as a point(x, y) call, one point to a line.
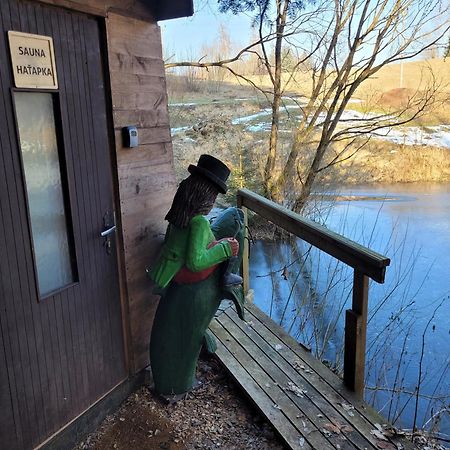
point(109, 223)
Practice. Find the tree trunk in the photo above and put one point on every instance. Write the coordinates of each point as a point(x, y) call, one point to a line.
point(269, 187)
point(269, 170)
point(307, 186)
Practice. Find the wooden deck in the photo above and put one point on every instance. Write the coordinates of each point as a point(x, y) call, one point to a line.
point(306, 403)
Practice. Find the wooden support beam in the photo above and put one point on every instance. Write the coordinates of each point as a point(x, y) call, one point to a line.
point(245, 256)
point(355, 335)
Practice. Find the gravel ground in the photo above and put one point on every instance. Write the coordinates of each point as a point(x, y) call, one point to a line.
point(214, 416)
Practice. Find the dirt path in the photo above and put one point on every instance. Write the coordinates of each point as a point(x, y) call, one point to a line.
point(215, 416)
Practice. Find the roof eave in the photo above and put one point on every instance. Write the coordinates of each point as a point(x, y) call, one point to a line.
point(170, 9)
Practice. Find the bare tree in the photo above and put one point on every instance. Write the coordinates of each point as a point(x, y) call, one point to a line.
point(342, 44)
point(218, 50)
point(357, 39)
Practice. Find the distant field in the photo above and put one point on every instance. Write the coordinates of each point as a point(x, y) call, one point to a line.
point(416, 75)
point(381, 93)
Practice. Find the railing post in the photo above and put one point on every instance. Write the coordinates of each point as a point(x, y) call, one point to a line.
point(245, 255)
point(355, 335)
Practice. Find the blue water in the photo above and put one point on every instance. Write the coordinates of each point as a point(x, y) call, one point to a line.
point(408, 314)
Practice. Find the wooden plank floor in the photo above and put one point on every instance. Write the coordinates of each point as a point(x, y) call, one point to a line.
point(306, 403)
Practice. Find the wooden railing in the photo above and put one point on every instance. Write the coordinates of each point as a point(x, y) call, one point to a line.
point(365, 262)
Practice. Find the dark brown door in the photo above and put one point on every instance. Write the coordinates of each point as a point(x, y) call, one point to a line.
point(61, 343)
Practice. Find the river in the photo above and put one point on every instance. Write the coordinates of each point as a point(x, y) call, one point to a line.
point(408, 315)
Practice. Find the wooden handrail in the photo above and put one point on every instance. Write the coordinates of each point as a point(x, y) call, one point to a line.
point(365, 262)
point(353, 254)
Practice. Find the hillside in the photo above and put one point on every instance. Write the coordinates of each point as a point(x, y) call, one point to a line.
point(416, 75)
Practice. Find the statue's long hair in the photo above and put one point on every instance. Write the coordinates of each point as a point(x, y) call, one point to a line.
point(195, 195)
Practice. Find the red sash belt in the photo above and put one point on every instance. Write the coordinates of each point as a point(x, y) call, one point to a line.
point(186, 276)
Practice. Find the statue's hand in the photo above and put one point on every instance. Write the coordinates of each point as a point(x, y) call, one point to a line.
point(234, 244)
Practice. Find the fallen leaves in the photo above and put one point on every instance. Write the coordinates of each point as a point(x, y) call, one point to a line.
point(215, 416)
point(379, 435)
point(299, 392)
point(386, 445)
point(298, 365)
point(337, 428)
point(332, 427)
point(348, 408)
point(382, 435)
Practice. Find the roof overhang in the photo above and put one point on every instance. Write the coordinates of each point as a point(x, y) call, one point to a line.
point(170, 9)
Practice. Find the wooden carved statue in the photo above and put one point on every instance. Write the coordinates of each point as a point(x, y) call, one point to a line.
point(194, 272)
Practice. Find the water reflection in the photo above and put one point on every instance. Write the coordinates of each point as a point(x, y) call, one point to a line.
point(414, 231)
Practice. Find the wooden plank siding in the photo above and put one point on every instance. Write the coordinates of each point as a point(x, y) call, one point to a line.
point(145, 174)
point(59, 354)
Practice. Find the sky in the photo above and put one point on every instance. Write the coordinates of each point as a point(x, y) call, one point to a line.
point(185, 36)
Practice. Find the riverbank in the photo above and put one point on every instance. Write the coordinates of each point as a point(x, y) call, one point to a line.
point(307, 292)
point(233, 125)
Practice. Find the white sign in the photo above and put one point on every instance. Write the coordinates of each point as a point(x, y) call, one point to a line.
point(33, 60)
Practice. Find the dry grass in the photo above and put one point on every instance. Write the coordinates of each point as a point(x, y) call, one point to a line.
point(245, 152)
point(385, 162)
point(416, 75)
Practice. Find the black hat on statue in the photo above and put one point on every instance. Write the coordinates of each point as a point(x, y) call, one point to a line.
point(213, 169)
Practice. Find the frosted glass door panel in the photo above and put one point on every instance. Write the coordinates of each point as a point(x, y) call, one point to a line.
point(36, 122)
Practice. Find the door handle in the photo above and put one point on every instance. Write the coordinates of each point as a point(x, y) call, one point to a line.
point(109, 223)
point(108, 231)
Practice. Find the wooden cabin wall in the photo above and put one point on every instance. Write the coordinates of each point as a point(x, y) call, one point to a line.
point(146, 176)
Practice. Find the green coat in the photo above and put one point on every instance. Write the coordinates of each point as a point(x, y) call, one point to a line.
point(188, 247)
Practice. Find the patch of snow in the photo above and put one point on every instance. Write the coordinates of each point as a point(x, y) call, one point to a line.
point(354, 118)
point(183, 104)
point(434, 136)
point(177, 130)
point(259, 127)
point(245, 119)
point(263, 112)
